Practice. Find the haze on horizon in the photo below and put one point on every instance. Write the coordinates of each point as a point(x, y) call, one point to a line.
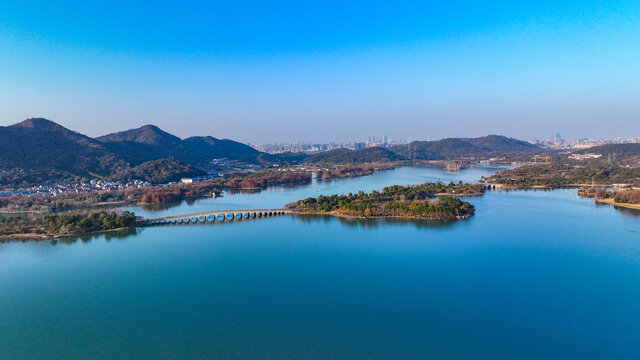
point(285, 71)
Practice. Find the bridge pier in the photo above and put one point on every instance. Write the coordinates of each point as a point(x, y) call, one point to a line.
point(216, 216)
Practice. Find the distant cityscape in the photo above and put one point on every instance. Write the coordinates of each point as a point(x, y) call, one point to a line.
point(554, 141)
point(310, 148)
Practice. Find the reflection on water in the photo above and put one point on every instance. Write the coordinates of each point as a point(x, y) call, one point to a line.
point(261, 189)
point(160, 206)
point(108, 236)
point(379, 222)
point(623, 210)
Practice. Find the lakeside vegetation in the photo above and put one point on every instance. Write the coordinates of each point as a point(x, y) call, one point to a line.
point(83, 200)
point(66, 224)
point(411, 201)
point(352, 170)
point(565, 172)
point(264, 178)
point(630, 196)
point(150, 195)
point(160, 171)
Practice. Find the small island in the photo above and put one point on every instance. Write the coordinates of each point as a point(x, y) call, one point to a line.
point(411, 201)
point(69, 224)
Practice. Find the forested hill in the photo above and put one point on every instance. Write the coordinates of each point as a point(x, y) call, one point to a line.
point(38, 151)
point(454, 148)
point(151, 143)
point(618, 151)
point(445, 149)
point(373, 154)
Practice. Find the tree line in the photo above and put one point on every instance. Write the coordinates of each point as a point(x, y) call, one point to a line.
point(393, 201)
point(66, 224)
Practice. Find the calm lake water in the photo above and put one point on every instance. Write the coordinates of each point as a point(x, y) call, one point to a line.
point(533, 275)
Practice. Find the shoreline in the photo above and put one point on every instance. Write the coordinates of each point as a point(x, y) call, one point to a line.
point(614, 203)
point(36, 237)
point(545, 187)
point(335, 214)
point(460, 195)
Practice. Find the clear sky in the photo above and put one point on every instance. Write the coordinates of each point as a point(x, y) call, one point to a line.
point(325, 70)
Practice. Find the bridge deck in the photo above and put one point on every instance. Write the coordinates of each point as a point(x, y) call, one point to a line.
point(216, 213)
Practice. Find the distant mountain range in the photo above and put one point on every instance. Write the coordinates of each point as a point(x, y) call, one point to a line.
point(38, 151)
point(151, 143)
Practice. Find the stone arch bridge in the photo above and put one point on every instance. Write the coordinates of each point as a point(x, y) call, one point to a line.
point(214, 216)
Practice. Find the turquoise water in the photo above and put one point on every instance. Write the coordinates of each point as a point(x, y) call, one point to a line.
point(276, 197)
point(533, 275)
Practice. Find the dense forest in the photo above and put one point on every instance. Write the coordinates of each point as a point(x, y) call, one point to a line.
point(65, 224)
point(413, 201)
point(159, 172)
point(461, 148)
point(39, 151)
point(265, 178)
point(340, 156)
point(351, 170)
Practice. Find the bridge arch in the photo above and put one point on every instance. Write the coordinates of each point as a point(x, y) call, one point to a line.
point(216, 215)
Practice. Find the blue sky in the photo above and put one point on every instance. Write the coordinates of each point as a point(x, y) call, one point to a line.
point(322, 71)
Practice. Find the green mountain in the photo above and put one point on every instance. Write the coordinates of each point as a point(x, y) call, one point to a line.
point(373, 154)
point(38, 150)
point(151, 143)
point(456, 148)
point(208, 147)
